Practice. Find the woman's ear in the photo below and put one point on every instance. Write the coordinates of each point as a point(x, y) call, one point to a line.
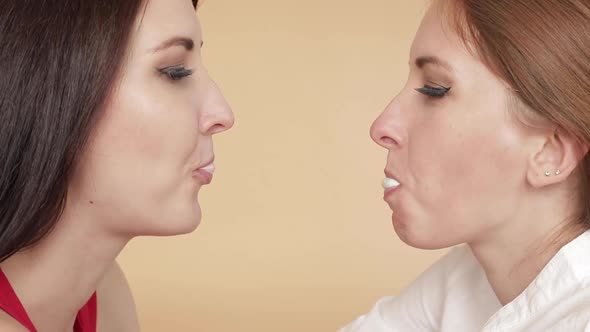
point(555, 160)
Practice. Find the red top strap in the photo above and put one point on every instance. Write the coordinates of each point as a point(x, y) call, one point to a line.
point(9, 303)
point(86, 319)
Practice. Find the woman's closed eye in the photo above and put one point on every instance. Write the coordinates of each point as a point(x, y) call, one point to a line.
point(176, 73)
point(437, 91)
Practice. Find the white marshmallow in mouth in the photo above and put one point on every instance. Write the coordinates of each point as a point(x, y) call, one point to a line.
point(389, 183)
point(209, 168)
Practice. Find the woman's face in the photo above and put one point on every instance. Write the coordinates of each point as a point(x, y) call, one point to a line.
point(152, 148)
point(454, 146)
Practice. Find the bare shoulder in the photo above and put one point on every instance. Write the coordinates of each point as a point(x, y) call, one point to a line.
point(116, 307)
point(9, 324)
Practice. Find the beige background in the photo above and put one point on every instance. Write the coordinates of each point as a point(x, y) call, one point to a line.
point(295, 235)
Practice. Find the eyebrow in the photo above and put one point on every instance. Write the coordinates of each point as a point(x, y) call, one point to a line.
point(422, 61)
point(186, 42)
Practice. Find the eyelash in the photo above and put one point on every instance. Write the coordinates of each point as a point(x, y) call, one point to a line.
point(434, 92)
point(176, 73)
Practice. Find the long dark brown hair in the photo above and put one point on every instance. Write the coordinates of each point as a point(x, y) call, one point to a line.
point(58, 62)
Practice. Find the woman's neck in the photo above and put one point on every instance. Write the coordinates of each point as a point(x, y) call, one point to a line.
point(57, 276)
point(515, 252)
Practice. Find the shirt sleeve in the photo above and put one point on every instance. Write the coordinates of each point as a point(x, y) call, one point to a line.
point(372, 321)
point(418, 307)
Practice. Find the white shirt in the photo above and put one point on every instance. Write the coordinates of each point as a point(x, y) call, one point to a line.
point(454, 295)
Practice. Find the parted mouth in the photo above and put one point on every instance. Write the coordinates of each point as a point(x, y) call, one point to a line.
point(205, 172)
point(210, 168)
point(390, 181)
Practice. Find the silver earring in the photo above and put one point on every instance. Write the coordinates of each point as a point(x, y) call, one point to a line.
point(547, 173)
point(558, 172)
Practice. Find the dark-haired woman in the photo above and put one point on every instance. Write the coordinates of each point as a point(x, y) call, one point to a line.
point(106, 122)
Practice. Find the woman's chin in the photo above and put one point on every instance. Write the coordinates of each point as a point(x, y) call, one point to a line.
point(178, 224)
point(417, 235)
point(178, 228)
point(189, 224)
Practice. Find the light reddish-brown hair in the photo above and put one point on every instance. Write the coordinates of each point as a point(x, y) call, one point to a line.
point(541, 48)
